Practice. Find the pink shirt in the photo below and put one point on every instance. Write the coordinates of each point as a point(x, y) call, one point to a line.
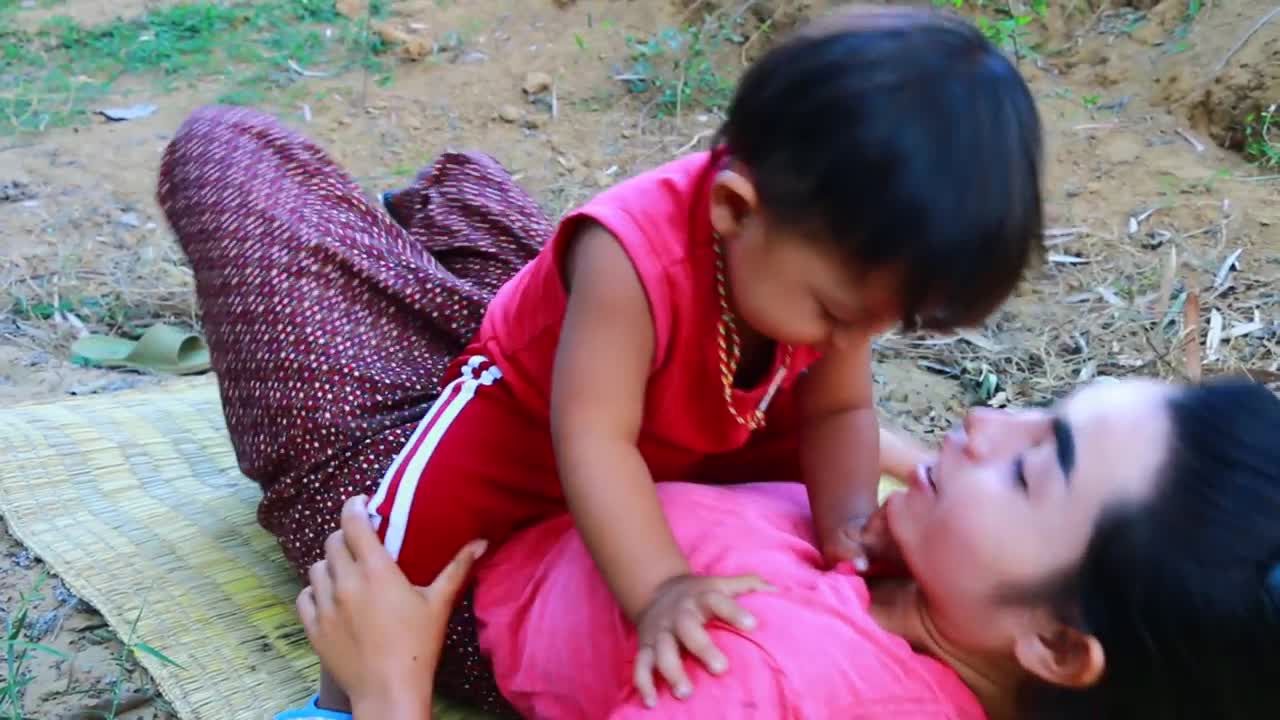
point(562, 650)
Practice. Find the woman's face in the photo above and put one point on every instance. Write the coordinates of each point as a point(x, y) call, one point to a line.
point(1013, 498)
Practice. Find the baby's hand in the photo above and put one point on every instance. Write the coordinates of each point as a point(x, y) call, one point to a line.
point(881, 548)
point(676, 618)
point(844, 544)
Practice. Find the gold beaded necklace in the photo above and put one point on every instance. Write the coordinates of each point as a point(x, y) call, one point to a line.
point(730, 347)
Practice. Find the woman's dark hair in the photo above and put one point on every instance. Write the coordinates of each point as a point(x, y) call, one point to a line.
point(908, 140)
point(1183, 591)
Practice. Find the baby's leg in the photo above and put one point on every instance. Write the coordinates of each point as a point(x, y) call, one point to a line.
point(475, 467)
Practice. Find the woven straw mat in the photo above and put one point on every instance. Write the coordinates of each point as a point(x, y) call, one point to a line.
point(135, 500)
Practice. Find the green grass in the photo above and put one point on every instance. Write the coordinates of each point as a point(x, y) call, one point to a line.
point(683, 69)
point(54, 75)
point(1262, 137)
point(695, 67)
point(19, 649)
point(1003, 24)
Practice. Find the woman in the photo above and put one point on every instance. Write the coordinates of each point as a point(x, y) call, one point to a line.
point(1139, 586)
point(1053, 571)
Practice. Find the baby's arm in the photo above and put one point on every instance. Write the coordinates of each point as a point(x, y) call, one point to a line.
point(840, 449)
point(597, 406)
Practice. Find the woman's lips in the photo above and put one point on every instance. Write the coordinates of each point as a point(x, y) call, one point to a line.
point(924, 479)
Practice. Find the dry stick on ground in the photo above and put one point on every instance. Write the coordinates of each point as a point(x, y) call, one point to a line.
point(1241, 43)
point(1191, 337)
point(102, 708)
point(764, 27)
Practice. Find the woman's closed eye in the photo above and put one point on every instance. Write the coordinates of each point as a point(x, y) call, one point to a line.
point(1020, 475)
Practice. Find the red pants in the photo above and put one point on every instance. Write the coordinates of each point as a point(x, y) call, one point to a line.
point(478, 467)
point(475, 467)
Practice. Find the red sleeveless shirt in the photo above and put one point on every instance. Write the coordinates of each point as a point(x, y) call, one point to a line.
point(662, 220)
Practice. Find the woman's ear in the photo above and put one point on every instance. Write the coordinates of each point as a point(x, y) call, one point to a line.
point(733, 200)
point(1061, 655)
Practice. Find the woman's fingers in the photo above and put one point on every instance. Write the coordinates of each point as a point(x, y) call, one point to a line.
point(321, 585)
point(338, 555)
point(358, 533)
point(451, 579)
point(306, 604)
point(642, 676)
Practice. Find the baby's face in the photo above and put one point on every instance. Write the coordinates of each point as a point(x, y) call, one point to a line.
point(799, 291)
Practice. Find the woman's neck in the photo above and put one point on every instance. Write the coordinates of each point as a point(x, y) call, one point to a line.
point(898, 607)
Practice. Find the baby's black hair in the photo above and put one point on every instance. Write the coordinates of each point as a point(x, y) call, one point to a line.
point(909, 141)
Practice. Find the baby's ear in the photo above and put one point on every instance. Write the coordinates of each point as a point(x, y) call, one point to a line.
point(733, 200)
point(1061, 655)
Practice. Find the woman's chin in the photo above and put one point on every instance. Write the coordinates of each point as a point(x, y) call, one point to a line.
point(903, 516)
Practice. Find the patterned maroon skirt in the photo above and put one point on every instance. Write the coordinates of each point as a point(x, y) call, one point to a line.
point(331, 320)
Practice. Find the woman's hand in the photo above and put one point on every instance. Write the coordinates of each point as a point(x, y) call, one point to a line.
point(376, 634)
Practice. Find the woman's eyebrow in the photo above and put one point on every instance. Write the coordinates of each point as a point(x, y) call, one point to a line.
point(1065, 442)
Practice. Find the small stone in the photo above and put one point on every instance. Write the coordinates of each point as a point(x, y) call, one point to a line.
point(536, 82)
point(510, 113)
point(16, 191)
point(1149, 33)
point(130, 219)
point(532, 122)
point(603, 179)
point(628, 133)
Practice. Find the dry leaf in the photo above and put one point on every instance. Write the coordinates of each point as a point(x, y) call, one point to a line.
point(1058, 236)
point(1135, 221)
point(978, 340)
point(1065, 232)
point(1110, 296)
point(1242, 329)
point(1067, 259)
point(1213, 340)
point(1220, 280)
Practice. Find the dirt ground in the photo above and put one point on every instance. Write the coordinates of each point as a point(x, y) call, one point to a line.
point(1162, 240)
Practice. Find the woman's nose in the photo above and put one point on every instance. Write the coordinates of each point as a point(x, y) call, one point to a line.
point(985, 429)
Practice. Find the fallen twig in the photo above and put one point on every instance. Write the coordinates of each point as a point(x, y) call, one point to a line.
point(307, 73)
point(1241, 43)
point(1199, 146)
point(1191, 361)
point(103, 708)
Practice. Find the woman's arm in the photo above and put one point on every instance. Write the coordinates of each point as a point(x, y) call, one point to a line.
point(378, 635)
